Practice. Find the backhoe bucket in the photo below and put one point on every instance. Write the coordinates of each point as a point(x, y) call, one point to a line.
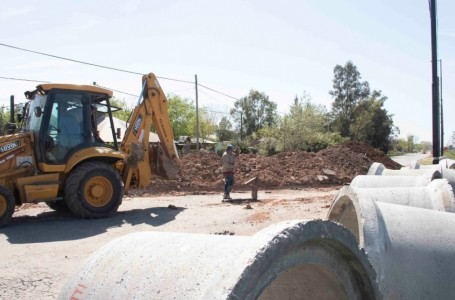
point(162, 165)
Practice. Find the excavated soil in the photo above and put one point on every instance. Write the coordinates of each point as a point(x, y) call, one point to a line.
point(336, 165)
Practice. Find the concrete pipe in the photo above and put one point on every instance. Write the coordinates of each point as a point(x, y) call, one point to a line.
point(290, 260)
point(412, 249)
point(447, 163)
point(379, 169)
point(436, 171)
point(437, 195)
point(368, 181)
point(416, 165)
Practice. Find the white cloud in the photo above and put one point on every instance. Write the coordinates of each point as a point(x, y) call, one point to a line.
point(130, 6)
point(82, 21)
point(15, 12)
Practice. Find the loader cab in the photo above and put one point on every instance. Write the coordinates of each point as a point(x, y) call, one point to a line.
point(62, 119)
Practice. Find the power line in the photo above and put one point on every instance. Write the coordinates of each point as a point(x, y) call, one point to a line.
point(215, 99)
point(90, 64)
point(21, 79)
point(183, 90)
point(113, 69)
point(215, 91)
point(117, 91)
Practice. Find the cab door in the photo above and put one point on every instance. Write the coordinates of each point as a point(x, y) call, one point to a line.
point(65, 129)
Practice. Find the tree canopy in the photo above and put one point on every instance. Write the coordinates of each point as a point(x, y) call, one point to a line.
point(358, 113)
point(125, 111)
point(224, 132)
point(182, 114)
point(254, 112)
point(347, 91)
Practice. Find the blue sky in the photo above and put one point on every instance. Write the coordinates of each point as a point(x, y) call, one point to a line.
point(281, 48)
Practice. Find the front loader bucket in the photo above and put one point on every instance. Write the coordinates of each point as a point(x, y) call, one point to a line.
point(162, 165)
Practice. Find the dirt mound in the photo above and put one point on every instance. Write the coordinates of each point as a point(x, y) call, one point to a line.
point(339, 164)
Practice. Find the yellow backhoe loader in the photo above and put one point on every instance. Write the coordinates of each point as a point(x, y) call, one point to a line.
point(58, 156)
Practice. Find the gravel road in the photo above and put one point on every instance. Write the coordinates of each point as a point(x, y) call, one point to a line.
point(41, 248)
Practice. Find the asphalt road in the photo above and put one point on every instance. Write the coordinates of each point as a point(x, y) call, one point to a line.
point(405, 160)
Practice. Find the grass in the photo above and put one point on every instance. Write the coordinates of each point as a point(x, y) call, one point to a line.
point(449, 154)
point(429, 160)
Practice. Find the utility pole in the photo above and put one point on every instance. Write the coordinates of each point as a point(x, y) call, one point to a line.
point(11, 109)
point(241, 125)
point(442, 108)
point(435, 85)
point(197, 115)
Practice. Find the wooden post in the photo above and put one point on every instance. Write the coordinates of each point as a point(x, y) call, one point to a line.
point(254, 187)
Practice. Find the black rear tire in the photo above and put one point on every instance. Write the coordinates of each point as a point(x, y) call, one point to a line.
point(94, 190)
point(58, 205)
point(7, 204)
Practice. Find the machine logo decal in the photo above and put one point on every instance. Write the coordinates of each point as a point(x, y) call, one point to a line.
point(9, 146)
point(137, 125)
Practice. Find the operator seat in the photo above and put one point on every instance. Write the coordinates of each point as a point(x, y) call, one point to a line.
point(70, 130)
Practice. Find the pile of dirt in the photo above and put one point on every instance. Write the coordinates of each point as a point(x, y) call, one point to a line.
point(339, 164)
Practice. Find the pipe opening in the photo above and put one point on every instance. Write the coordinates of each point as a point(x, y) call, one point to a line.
point(343, 212)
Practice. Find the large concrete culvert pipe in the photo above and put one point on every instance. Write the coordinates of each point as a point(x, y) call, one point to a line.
point(411, 249)
point(433, 171)
point(379, 169)
point(290, 260)
point(437, 195)
point(447, 163)
point(369, 181)
point(443, 162)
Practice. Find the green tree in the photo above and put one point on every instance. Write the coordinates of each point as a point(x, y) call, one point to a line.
point(410, 143)
point(125, 111)
point(207, 124)
point(254, 112)
point(347, 91)
point(306, 126)
point(224, 132)
point(182, 114)
point(372, 124)
point(357, 113)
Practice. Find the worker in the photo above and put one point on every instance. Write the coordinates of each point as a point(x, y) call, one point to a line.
point(228, 169)
point(187, 146)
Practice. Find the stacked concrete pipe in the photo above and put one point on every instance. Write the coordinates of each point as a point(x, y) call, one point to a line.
point(437, 195)
point(291, 260)
point(368, 181)
point(379, 169)
point(447, 163)
point(411, 249)
point(430, 172)
point(403, 219)
point(443, 162)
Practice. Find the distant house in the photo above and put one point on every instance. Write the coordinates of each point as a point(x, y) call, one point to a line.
point(185, 144)
point(104, 128)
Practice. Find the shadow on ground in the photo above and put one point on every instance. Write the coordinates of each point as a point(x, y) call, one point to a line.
point(54, 226)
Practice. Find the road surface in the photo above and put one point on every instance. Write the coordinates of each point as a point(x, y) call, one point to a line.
point(405, 160)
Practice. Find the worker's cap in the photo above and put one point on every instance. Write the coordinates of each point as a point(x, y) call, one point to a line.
point(230, 147)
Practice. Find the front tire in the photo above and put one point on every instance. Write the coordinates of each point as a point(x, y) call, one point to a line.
point(7, 204)
point(93, 190)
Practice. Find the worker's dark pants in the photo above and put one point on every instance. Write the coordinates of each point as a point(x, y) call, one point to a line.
point(228, 182)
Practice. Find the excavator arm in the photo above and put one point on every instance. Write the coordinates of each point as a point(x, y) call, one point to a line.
point(151, 109)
